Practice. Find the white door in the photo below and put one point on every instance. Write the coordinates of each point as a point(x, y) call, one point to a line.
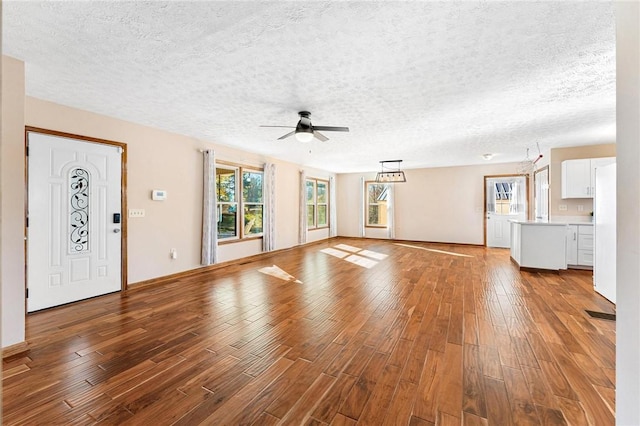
point(604, 216)
point(506, 199)
point(73, 240)
point(541, 194)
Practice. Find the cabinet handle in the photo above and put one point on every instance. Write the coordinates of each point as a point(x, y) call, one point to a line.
point(574, 236)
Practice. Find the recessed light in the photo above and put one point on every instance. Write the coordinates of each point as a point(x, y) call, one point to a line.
point(487, 156)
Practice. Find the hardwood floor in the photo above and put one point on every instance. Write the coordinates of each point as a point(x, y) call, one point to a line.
point(421, 337)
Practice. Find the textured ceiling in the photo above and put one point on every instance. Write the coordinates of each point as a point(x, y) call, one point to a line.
point(434, 84)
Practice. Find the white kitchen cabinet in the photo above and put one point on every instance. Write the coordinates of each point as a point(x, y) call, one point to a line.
point(580, 245)
point(585, 245)
point(578, 176)
point(539, 245)
point(572, 244)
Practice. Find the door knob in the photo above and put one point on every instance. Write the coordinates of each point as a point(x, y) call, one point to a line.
point(116, 230)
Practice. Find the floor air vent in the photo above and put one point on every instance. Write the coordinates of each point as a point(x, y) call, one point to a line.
point(601, 315)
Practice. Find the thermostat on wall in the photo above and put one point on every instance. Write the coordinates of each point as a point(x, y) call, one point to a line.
point(158, 195)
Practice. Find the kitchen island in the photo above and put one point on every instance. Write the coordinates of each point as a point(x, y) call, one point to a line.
point(539, 245)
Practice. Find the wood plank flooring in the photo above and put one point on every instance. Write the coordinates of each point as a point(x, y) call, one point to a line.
point(419, 337)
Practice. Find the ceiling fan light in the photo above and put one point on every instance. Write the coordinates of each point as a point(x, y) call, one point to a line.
point(304, 136)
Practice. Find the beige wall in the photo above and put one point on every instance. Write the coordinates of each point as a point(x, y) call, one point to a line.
point(156, 160)
point(439, 204)
point(12, 202)
point(557, 156)
point(628, 209)
point(162, 160)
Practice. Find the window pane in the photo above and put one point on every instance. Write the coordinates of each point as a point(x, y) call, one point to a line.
point(322, 215)
point(322, 192)
point(227, 220)
point(376, 192)
point(252, 187)
point(226, 184)
point(311, 219)
point(253, 219)
point(310, 191)
point(377, 204)
point(373, 215)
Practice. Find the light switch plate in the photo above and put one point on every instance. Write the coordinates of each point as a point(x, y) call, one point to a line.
point(136, 212)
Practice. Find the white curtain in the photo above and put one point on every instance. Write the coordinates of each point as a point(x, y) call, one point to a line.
point(209, 211)
point(361, 204)
point(268, 220)
point(333, 214)
point(391, 223)
point(302, 226)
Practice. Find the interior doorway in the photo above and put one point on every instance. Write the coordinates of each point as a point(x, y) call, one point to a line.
point(75, 226)
point(505, 200)
point(541, 194)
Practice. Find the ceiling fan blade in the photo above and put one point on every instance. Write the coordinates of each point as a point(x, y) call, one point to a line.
point(288, 127)
point(320, 136)
point(287, 135)
point(331, 128)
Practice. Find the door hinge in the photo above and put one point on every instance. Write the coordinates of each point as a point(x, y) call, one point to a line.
point(26, 221)
point(26, 150)
point(26, 293)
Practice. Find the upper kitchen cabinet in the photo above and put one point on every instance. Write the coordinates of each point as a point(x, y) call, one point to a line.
point(578, 176)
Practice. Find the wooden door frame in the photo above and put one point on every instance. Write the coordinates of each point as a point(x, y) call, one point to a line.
point(123, 196)
point(484, 197)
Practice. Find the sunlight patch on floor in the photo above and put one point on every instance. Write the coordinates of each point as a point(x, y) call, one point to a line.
point(333, 252)
point(348, 248)
point(434, 250)
point(275, 271)
point(364, 258)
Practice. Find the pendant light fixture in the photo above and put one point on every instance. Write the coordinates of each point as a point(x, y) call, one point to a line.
point(390, 174)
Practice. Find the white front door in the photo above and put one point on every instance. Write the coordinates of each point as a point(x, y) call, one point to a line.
point(505, 200)
point(73, 235)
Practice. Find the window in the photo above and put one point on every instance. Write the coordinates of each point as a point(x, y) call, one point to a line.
point(317, 203)
point(376, 204)
point(252, 202)
point(240, 201)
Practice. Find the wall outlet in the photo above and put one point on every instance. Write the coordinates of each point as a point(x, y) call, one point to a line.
point(136, 212)
point(173, 253)
point(562, 207)
point(580, 208)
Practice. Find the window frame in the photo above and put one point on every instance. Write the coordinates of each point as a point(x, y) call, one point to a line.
point(315, 203)
point(239, 202)
point(367, 204)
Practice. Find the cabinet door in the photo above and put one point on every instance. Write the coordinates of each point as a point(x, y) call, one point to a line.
point(585, 257)
point(576, 179)
point(572, 245)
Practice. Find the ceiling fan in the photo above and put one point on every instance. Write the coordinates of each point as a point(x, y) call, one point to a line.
point(305, 131)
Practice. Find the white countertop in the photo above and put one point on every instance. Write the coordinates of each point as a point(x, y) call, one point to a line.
point(552, 223)
point(537, 223)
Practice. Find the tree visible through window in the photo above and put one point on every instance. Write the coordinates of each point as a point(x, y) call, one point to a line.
point(240, 201)
point(376, 204)
point(317, 194)
point(252, 202)
point(227, 204)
